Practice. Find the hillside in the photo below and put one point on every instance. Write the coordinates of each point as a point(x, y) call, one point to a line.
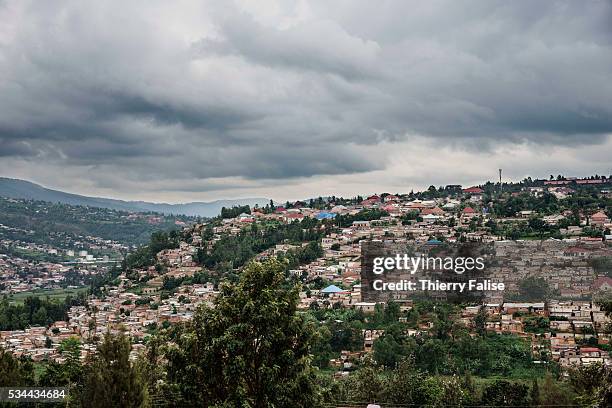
point(15, 188)
point(61, 225)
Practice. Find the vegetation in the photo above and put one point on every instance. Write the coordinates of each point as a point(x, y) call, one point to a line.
point(533, 289)
point(233, 212)
point(110, 379)
point(250, 349)
point(15, 372)
point(253, 348)
point(145, 255)
point(233, 251)
point(58, 295)
point(35, 311)
point(59, 224)
point(363, 215)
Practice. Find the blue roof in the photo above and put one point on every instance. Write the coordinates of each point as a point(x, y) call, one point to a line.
point(332, 289)
point(325, 215)
point(434, 241)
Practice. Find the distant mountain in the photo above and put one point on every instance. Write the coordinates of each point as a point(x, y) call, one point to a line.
point(15, 188)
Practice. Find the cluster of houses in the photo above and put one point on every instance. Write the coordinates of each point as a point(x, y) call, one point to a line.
point(18, 274)
point(121, 311)
point(21, 275)
point(65, 245)
point(333, 280)
point(575, 333)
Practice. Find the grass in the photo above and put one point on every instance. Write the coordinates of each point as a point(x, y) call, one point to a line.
point(53, 294)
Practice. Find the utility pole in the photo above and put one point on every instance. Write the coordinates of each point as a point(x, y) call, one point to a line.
point(500, 181)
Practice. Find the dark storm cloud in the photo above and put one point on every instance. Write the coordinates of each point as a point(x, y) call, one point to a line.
point(195, 91)
point(301, 48)
point(9, 148)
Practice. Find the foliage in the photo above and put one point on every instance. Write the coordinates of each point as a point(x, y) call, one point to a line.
point(406, 385)
point(60, 224)
point(235, 211)
point(533, 289)
point(480, 321)
point(67, 374)
point(302, 255)
point(237, 250)
point(35, 311)
point(111, 379)
point(536, 324)
point(15, 372)
point(448, 349)
point(250, 349)
point(588, 382)
point(363, 215)
point(145, 255)
point(552, 392)
point(502, 393)
point(392, 347)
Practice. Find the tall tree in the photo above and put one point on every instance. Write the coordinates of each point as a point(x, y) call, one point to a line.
point(250, 350)
point(111, 380)
point(504, 393)
point(15, 372)
point(366, 384)
point(480, 321)
point(555, 393)
point(534, 393)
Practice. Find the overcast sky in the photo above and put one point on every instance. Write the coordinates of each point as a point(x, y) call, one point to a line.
point(193, 100)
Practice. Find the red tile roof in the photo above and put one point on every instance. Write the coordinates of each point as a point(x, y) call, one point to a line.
point(602, 280)
point(473, 190)
point(599, 215)
point(434, 211)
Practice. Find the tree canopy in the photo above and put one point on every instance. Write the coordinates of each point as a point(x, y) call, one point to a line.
point(251, 349)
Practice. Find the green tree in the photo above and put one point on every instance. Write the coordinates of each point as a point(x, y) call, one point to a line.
point(534, 393)
point(392, 312)
point(250, 350)
point(604, 396)
point(111, 380)
point(533, 288)
point(553, 393)
point(538, 225)
point(405, 385)
point(480, 321)
point(389, 350)
point(67, 374)
point(454, 393)
point(15, 372)
point(587, 382)
point(504, 393)
point(366, 384)
point(433, 356)
point(321, 347)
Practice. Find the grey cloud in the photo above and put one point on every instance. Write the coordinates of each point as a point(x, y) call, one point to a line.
point(305, 47)
point(9, 148)
point(159, 94)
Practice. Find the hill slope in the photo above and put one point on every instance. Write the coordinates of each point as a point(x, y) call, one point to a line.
point(65, 226)
point(15, 188)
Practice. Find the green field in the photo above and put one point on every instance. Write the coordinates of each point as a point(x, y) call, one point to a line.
point(54, 294)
